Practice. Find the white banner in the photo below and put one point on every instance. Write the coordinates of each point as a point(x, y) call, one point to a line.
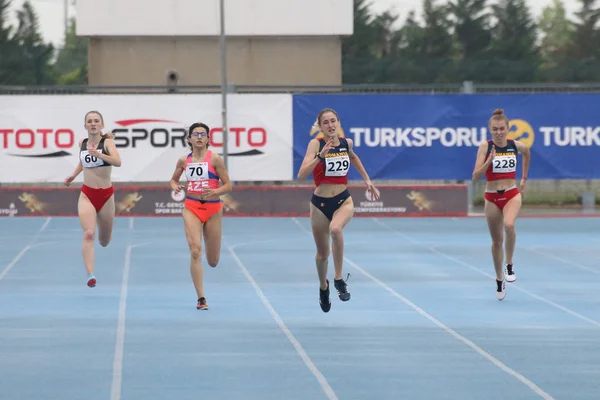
point(39, 135)
point(242, 18)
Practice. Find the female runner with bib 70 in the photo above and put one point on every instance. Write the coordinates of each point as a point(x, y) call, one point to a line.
point(203, 209)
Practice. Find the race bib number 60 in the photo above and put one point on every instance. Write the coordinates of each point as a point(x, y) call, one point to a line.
point(337, 166)
point(89, 161)
point(504, 164)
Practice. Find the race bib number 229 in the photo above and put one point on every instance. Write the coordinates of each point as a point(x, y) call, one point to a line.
point(337, 166)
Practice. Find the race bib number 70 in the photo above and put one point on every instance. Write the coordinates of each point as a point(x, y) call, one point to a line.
point(196, 171)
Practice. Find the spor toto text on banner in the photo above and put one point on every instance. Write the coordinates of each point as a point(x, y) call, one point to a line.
point(436, 136)
point(39, 135)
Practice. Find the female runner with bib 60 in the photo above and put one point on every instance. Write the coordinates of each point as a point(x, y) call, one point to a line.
point(97, 154)
point(203, 210)
point(497, 159)
point(331, 206)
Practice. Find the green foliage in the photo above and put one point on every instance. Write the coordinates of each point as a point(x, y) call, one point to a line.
point(33, 56)
point(492, 41)
point(479, 40)
point(71, 61)
point(26, 59)
point(9, 49)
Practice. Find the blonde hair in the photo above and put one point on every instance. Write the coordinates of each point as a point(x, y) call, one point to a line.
point(498, 115)
point(103, 135)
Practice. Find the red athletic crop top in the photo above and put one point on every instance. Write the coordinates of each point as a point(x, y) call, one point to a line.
point(504, 164)
point(334, 168)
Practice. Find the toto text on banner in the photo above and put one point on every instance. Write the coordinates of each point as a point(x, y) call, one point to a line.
point(39, 135)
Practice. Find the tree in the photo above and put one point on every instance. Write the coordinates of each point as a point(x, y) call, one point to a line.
point(438, 45)
point(35, 55)
point(472, 35)
point(556, 35)
point(9, 51)
point(72, 59)
point(4, 27)
point(437, 41)
point(584, 46)
point(585, 38)
point(406, 67)
point(425, 51)
point(358, 50)
point(513, 49)
point(471, 27)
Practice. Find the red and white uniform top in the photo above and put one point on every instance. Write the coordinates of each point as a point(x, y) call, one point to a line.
point(504, 164)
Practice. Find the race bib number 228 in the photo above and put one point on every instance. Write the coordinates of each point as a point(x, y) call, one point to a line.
point(504, 164)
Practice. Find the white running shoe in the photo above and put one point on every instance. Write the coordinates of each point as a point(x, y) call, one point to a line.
point(501, 289)
point(510, 273)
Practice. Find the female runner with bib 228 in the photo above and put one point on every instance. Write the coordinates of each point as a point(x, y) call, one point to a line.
point(331, 206)
point(497, 159)
point(203, 209)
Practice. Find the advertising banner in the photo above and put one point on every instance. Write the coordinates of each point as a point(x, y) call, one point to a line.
point(40, 135)
point(436, 136)
point(243, 201)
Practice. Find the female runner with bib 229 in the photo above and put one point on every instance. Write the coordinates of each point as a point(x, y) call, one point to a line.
point(97, 154)
point(497, 159)
point(203, 209)
point(331, 206)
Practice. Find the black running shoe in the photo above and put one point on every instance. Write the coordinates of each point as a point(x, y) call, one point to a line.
point(342, 288)
point(202, 304)
point(324, 301)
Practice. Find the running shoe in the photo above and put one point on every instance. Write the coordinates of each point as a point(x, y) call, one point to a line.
point(501, 289)
point(324, 301)
point(202, 304)
point(342, 289)
point(510, 273)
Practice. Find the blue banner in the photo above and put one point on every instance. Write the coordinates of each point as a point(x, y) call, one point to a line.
point(436, 136)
